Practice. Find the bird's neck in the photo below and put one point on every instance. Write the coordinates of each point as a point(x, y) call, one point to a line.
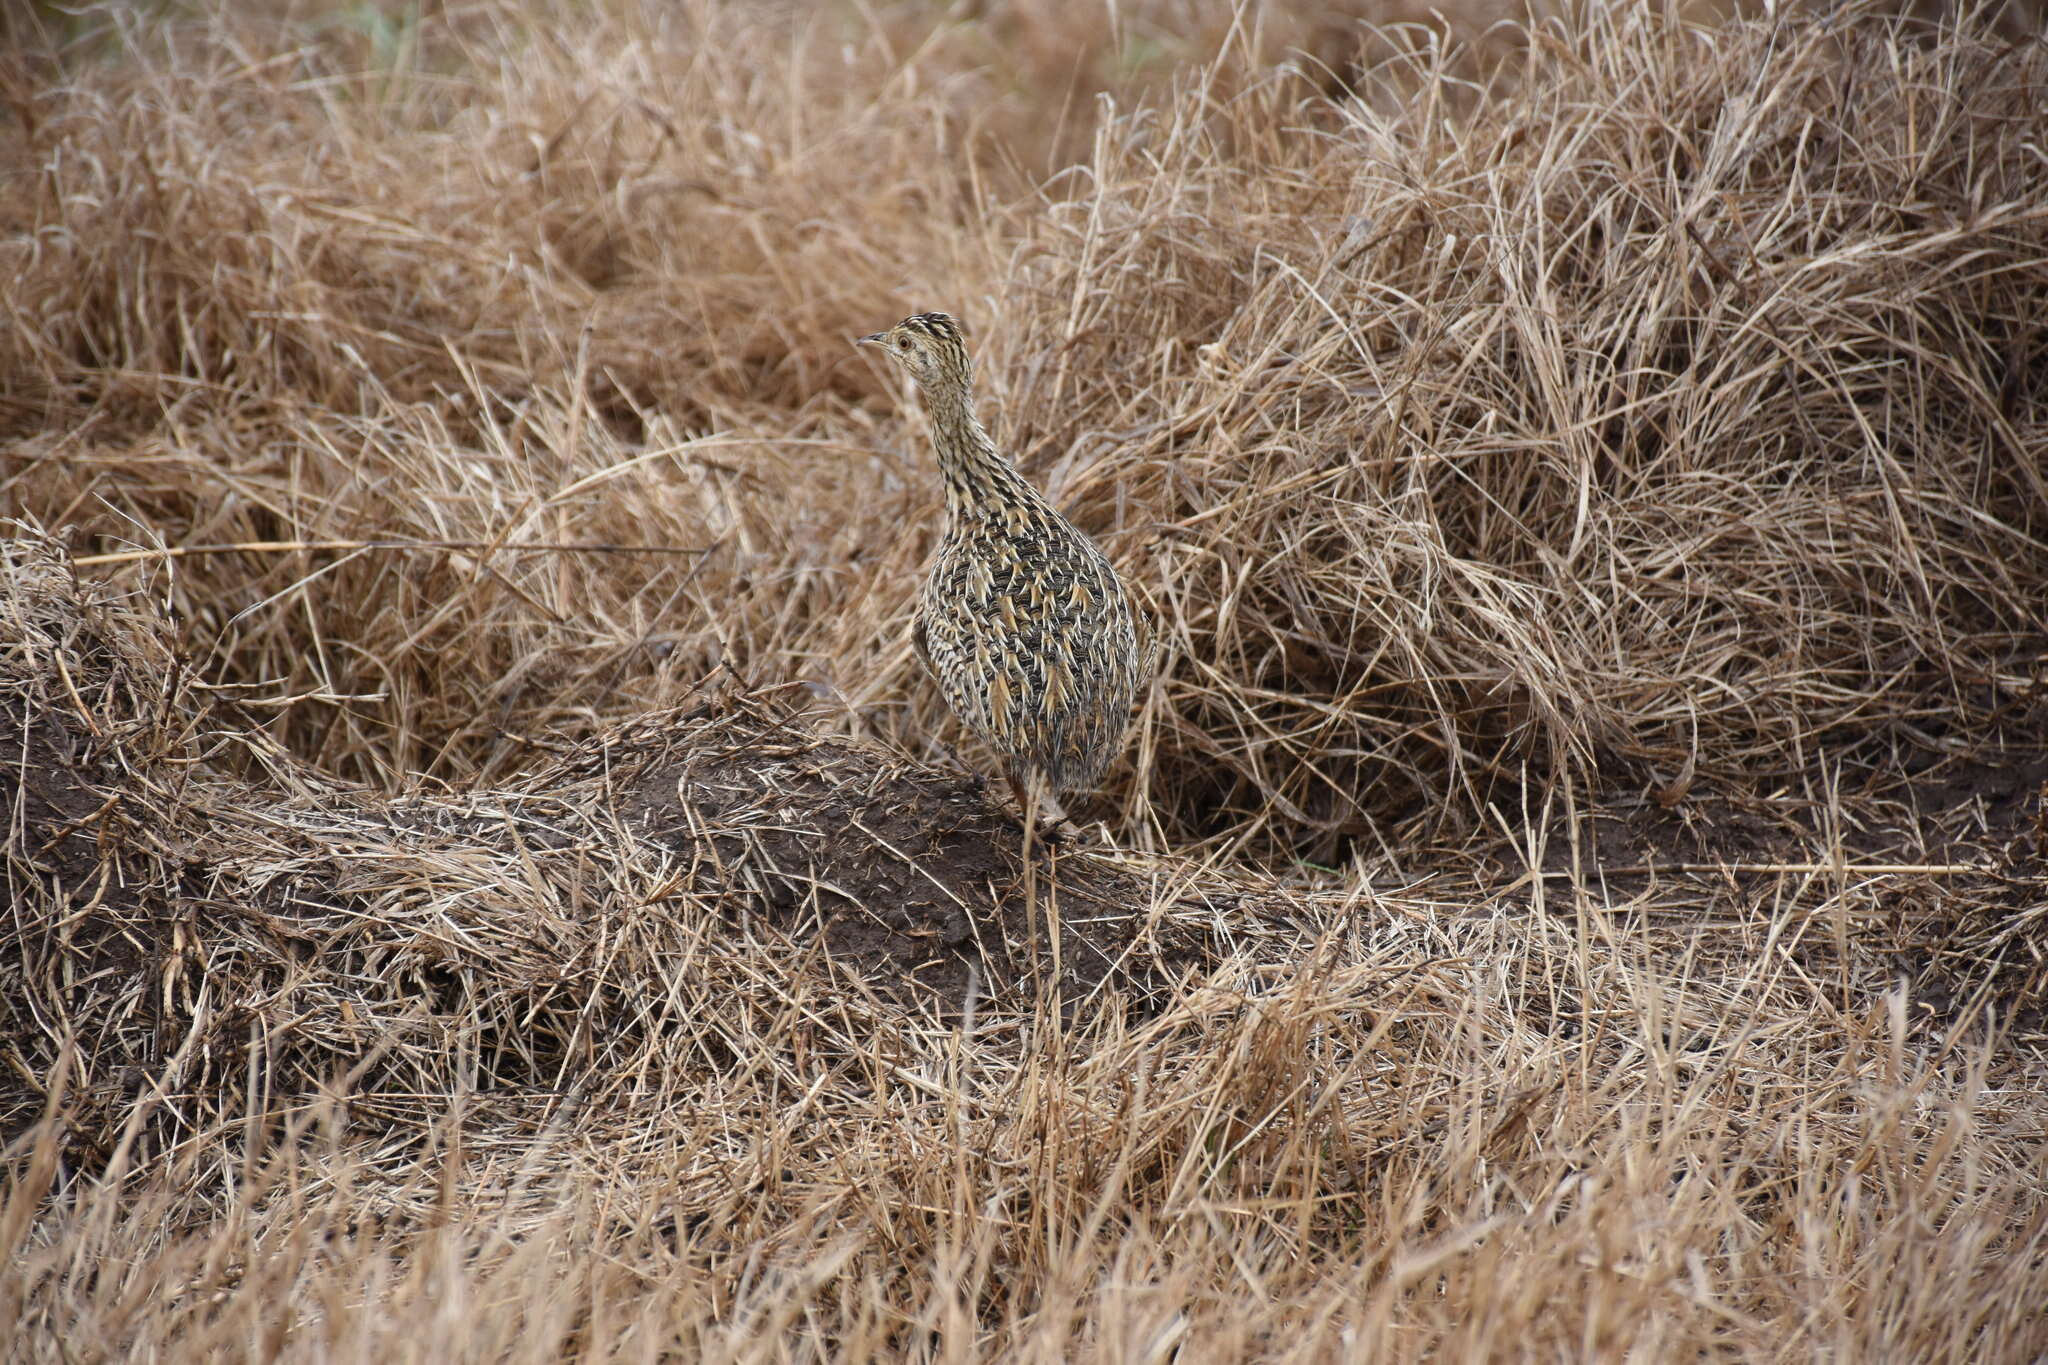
point(978, 479)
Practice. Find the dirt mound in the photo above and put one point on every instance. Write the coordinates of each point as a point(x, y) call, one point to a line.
point(227, 907)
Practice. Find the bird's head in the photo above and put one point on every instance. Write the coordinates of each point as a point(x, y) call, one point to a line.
point(929, 346)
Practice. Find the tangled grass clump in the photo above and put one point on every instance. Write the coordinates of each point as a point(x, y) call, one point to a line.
point(1662, 417)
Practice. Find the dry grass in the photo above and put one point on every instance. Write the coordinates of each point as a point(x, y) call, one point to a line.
point(1554, 461)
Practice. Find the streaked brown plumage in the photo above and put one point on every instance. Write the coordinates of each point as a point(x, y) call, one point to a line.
point(1027, 628)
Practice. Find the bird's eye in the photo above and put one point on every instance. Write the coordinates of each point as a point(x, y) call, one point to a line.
point(902, 343)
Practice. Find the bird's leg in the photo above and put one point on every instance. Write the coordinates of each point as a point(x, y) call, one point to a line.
point(1034, 798)
point(1017, 790)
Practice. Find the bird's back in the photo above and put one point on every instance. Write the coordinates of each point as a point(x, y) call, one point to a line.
point(1031, 636)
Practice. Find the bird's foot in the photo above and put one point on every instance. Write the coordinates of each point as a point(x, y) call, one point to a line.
point(1062, 833)
point(1056, 833)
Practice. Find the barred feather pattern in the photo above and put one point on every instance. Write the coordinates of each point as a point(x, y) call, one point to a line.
point(1023, 621)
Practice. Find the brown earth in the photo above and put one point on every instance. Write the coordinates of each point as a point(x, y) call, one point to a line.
point(902, 881)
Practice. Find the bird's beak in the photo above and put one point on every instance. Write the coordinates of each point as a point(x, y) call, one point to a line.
point(872, 339)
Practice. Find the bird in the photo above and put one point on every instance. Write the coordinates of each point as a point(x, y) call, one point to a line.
point(1022, 621)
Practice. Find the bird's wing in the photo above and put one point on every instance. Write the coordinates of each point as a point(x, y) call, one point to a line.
point(922, 639)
